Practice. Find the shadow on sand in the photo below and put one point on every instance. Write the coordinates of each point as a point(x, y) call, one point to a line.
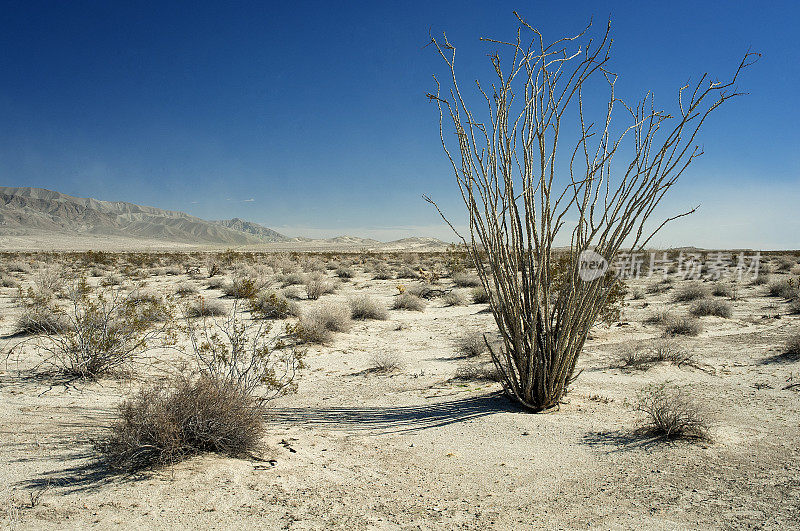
point(396, 419)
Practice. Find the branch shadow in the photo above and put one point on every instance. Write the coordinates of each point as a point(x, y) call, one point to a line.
point(397, 419)
point(89, 476)
point(619, 440)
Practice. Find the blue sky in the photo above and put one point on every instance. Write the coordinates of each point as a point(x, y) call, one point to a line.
point(310, 117)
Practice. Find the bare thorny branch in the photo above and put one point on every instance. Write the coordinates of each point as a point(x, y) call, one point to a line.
point(506, 171)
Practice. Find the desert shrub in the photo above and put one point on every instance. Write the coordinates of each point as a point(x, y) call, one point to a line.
point(17, 266)
point(345, 272)
point(382, 272)
point(7, 281)
point(480, 296)
point(185, 288)
point(463, 279)
point(316, 325)
point(683, 326)
point(483, 372)
point(365, 307)
point(103, 332)
point(472, 345)
point(173, 271)
point(762, 278)
point(637, 294)
point(671, 412)
point(293, 293)
point(642, 356)
point(785, 263)
point(317, 286)
point(691, 292)
point(794, 307)
point(201, 307)
point(171, 421)
point(711, 307)
point(292, 279)
point(407, 272)
point(241, 287)
point(792, 347)
point(40, 320)
point(111, 280)
point(785, 289)
point(273, 305)
point(408, 301)
point(385, 362)
point(454, 298)
point(660, 317)
point(721, 289)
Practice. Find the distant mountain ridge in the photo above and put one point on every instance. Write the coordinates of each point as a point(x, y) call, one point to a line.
point(23, 210)
point(45, 218)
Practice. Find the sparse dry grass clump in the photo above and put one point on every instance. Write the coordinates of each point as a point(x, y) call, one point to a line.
point(691, 292)
point(407, 272)
point(485, 372)
point(365, 307)
point(683, 326)
point(785, 289)
point(472, 345)
point(273, 305)
point(382, 272)
point(317, 286)
point(792, 347)
point(345, 272)
point(408, 301)
point(454, 298)
point(384, 362)
point(7, 281)
point(168, 422)
point(216, 283)
point(671, 413)
point(721, 289)
point(794, 307)
point(642, 356)
point(202, 307)
point(762, 278)
point(480, 296)
point(292, 279)
point(713, 307)
point(463, 279)
point(186, 288)
point(317, 324)
point(241, 287)
point(660, 317)
point(40, 320)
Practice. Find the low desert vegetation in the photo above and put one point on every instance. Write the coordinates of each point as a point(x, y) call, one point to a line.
point(385, 362)
point(40, 320)
point(241, 287)
point(454, 298)
point(683, 326)
point(480, 296)
point(186, 288)
point(722, 289)
point(317, 286)
point(713, 307)
point(671, 412)
point(408, 301)
point(463, 279)
point(104, 331)
point(472, 345)
point(218, 407)
point(481, 372)
point(366, 307)
point(273, 305)
point(792, 347)
point(202, 307)
point(642, 356)
point(786, 289)
point(691, 292)
point(318, 324)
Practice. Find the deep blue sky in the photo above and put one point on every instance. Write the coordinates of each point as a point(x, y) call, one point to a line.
point(310, 117)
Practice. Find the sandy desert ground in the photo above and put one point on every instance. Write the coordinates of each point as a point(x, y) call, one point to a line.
point(416, 447)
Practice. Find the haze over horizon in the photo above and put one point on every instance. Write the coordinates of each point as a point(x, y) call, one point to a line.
point(311, 119)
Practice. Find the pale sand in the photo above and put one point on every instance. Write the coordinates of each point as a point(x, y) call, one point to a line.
point(413, 449)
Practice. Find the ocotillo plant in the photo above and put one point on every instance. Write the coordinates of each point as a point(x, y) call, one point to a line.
point(525, 182)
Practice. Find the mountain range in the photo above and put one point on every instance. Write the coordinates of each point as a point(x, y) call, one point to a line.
point(37, 215)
